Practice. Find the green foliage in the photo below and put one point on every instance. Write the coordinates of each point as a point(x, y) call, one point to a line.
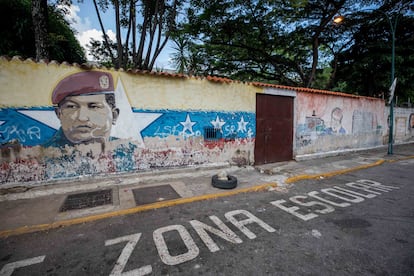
point(366, 66)
point(296, 43)
point(17, 37)
point(17, 33)
point(63, 44)
point(147, 25)
point(260, 40)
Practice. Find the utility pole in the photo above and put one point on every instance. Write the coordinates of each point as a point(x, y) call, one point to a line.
point(393, 26)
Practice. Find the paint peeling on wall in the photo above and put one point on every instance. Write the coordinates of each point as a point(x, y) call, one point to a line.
point(173, 138)
point(66, 122)
point(91, 127)
point(328, 123)
point(403, 124)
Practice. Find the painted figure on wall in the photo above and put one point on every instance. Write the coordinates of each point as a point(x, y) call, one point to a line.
point(336, 122)
point(85, 105)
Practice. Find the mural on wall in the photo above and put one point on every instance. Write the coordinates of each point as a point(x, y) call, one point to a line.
point(86, 108)
point(337, 121)
point(92, 128)
point(315, 126)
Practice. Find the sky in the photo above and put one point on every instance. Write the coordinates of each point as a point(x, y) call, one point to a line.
point(83, 19)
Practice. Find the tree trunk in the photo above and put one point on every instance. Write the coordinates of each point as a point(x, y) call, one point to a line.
point(106, 42)
point(40, 17)
point(333, 74)
point(315, 57)
point(118, 35)
point(134, 35)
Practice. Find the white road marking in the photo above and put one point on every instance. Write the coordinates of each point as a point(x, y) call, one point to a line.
point(293, 210)
point(355, 193)
point(162, 247)
point(327, 209)
point(230, 216)
point(333, 192)
point(224, 232)
point(373, 189)
point(132, 241)
point(315, 194)
point(8, 269)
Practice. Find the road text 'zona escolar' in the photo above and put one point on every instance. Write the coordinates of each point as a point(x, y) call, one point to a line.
point(305, 207)
point(328, 199)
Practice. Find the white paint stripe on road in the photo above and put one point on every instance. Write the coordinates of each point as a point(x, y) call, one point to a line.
point(355, 193)
point(224, 232)
point(250, 219)
point(120, 264)
point(8, 269)
point(334, 192)
point(162, 247)
point(346, 195)
point(316, 194)
point(326, 210)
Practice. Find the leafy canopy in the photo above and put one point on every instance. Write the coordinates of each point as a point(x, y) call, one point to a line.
point(17, 33)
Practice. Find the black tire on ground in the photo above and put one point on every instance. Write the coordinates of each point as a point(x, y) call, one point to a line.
point(230, 183)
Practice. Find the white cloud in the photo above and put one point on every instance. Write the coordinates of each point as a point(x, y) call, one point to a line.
point(85, 37)
point(75, 21)
point(84, 29)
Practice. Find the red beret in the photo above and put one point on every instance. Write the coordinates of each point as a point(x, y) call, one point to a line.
point(88, 82)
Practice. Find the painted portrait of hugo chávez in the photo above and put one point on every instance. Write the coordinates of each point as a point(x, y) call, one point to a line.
point(85, 105)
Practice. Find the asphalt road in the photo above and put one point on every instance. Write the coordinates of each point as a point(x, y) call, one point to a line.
point(316, 227)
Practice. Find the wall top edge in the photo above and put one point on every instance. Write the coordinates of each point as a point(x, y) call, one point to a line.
point(216, 79)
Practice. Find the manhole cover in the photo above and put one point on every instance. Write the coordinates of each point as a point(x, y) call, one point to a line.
point(154, 194)
point(87, 200)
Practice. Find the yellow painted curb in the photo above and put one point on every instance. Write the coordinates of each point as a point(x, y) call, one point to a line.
point(157, 205)
point(401, 159)
point(330, 174)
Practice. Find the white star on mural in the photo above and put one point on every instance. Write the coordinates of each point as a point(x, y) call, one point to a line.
point(188, 125)
point(128, 125)
point(242, 125)
point(218, 123)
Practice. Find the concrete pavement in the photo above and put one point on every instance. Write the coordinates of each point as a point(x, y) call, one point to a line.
point(35, 207)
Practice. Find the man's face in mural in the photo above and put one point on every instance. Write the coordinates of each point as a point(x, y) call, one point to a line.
point(336, 120)
point(87, 118)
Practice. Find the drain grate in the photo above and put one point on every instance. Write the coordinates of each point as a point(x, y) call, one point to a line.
point(154, 194)
point(87, 200)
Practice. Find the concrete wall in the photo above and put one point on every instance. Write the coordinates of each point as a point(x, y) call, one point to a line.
point(403, 124)
point(165, 120)
point(327, 122)
point(161, 123)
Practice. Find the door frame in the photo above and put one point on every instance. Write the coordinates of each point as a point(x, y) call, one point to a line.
point(285, 93)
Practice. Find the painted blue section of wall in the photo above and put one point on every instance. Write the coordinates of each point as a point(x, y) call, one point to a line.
point(233, 124)
point(28, 131)
point(15, 125)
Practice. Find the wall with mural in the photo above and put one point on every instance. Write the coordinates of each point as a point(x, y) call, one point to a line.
point(61, 121)
point(403, 124)
point(328, 122)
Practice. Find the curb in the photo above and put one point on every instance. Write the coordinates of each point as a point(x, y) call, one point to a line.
point(338, 172)
point(174, 202)
point(333, 173)
point(138, 209)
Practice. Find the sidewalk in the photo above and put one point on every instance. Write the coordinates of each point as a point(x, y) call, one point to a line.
point(30, 209)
